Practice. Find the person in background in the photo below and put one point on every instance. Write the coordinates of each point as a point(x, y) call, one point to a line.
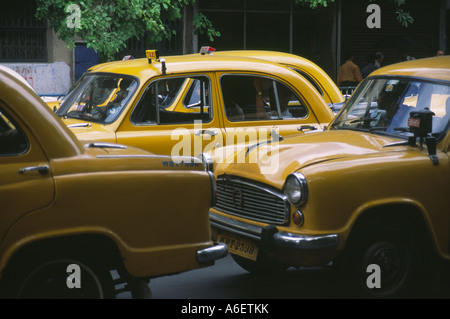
point(439, 52)
point(265, 94)
point(372, 65)
point(349, 72)
point(404, 55)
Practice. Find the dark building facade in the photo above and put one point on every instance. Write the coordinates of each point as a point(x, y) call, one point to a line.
point(321, 35)
point(278, 25)
point(419, 39)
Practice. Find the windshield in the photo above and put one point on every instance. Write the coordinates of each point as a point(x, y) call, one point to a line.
point(98, 97)
point(382, 106)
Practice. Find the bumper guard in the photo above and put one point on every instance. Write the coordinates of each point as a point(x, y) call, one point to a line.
point(270, 235)
point(206, 255)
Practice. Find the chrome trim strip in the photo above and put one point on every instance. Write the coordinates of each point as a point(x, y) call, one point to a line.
point(131, 156)
point(185, 159)
point(253, 146)
point(105, 145)
point(79, 125)
point(207, 161)
point(212, 179)
point(297, 242)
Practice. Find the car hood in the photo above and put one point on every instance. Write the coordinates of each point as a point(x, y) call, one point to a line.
point(106, 157)
point(276, 160)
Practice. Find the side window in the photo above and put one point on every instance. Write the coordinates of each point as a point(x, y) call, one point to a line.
point(248, 98)
point(180, 100)
point(197, 95)
point(12, 140)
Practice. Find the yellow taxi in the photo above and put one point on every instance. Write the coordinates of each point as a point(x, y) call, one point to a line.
point(369, 195)
point(320, 80)
point(54, 102)
point(186, 105)
point(77, 220)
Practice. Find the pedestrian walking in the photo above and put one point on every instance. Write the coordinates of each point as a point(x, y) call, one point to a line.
point(349, 72)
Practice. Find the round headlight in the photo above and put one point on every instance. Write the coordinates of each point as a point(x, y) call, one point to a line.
point(207, 161)
point(296, 189)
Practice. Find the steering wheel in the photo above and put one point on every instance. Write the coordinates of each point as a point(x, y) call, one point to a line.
point(91, 105)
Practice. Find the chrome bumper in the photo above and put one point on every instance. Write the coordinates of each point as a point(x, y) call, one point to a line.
point(206, 255)
point(270, 236)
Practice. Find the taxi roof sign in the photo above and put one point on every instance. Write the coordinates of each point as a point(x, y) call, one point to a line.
point(207, 49)
point(152, 55)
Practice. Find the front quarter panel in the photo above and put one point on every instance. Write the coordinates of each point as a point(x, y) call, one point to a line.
point(365, 183)
point(157, 217)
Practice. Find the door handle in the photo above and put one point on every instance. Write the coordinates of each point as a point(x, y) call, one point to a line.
point(43, 169)
point(306, 127)
point(208, 132)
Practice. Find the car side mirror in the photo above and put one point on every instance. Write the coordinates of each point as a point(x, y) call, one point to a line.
point(420, 122)
point(421, 125)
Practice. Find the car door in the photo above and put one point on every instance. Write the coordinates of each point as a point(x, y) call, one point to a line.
point(255, 106)
point(26, 183)
point(174, 116)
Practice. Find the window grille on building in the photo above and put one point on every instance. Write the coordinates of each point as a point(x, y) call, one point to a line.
point(23, 38)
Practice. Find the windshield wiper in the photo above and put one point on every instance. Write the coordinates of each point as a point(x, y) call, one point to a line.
point(365, 120)
point(79, 115)
point(377, 128)
point(335, 124)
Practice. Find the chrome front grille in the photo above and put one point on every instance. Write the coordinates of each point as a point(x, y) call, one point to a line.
point(246, 199)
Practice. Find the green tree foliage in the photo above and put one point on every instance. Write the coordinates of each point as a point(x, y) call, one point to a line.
point(403, 17)
point(314, 3)
point(106, 25)
point(202, 25)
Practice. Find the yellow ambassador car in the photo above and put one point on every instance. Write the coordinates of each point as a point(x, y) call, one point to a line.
point(185, 105)
point(369, 194)
point(320, 80)
point(77, 220)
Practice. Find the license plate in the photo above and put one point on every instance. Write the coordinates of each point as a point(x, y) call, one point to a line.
point(238, 246)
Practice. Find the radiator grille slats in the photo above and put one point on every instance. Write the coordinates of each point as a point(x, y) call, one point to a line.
point(248, 200)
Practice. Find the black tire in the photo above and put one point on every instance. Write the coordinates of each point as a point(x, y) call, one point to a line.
point(262, 266)
point(48, 278)
point(401, 258)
